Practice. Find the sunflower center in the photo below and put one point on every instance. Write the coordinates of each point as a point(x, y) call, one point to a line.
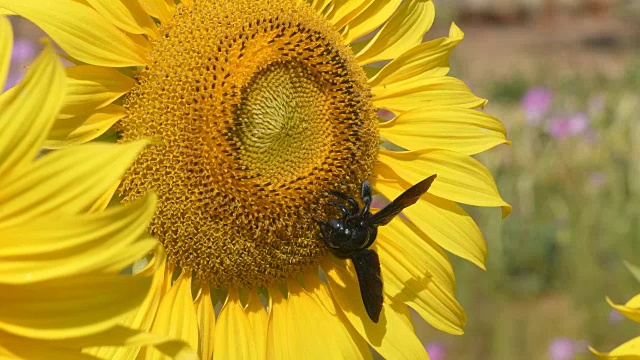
point(256, 110)
point(280, 122)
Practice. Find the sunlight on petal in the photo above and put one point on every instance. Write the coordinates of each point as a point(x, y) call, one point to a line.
point(461, 178)
point(128, 16)
point(176, 316)
point(82, 32)
point(425, 256)
point(401, 32)
point(259, 320)
point(391, 337)
point(206, 322)
point(345, 10)
point(83, 128)
point(237, 340)
point(428, 59)
point(370, 19)
point(444, 127)
point(403, 96)
point(34, 192)
point(22, 139)
point(403, 281)
point(444, 221)
point(159, 9)
point(626, 351)
point(92, 87)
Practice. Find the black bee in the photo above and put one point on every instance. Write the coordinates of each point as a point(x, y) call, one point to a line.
point(351, 236)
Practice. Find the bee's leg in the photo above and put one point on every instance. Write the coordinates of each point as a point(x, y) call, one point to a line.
point(373, 233)
point(366, 196)
point(324, 229)
point(355, 208)
point(343, 209)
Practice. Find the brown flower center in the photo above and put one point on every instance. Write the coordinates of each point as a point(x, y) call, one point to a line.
point(256, 110)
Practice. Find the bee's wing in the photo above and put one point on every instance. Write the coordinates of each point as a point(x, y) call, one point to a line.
point(405, 199)
point(367, 267)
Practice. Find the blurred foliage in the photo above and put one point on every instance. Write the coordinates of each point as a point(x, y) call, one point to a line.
point(576, 219)
point(509, 90)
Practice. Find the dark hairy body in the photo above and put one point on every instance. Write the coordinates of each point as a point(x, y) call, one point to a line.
point(350, 237)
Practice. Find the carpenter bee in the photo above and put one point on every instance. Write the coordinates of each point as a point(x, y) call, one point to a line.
point(351, 236)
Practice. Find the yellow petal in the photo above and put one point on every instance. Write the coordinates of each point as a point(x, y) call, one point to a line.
point(631, 309)
point(325, 334)
point(445, 127)
point(444, 221)
point(104, 200)
point(28, 111)
point(461, 178)
point(206, 322)
point(404, 281)
point(141, 318)
point(6, 44)
point(345, 10)
point(82, 32)
point(6, 12)
point(51, 183)
point(424, 255)
point(176, 316)
point(69, 307)
point(234, 338)
point(423, 61)
point(403, 31)
point(50, 248)
point(131, 339)
point(348, 341)
point(18, 347)
point(370, 19)
point(92, 87)
point(320, 5)
point(277, 341)
point(81, 129)
point(627, 351)
point(402, 96)
point(128, 16)
point(391, 337)
point(259, 320)
point(304, 316)
point(159, 9)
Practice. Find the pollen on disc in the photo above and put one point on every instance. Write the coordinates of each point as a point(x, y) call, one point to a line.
point(255, 110)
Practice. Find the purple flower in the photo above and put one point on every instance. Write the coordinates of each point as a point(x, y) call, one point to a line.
point(562, 127)
point(13, 78)
point(615, 316)
point(561, 349)
point(385, 114)
point(437, 351)
point(565, 349)
point(23, 51)
point(536, 103)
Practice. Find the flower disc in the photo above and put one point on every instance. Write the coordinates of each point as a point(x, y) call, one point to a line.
point(256, 110)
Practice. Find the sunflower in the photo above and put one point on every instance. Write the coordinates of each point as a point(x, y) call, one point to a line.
point(631, 310)
point(61, 286)
point(256, 109)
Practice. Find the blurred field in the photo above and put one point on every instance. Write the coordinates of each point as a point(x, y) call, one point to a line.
point(575, 189)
